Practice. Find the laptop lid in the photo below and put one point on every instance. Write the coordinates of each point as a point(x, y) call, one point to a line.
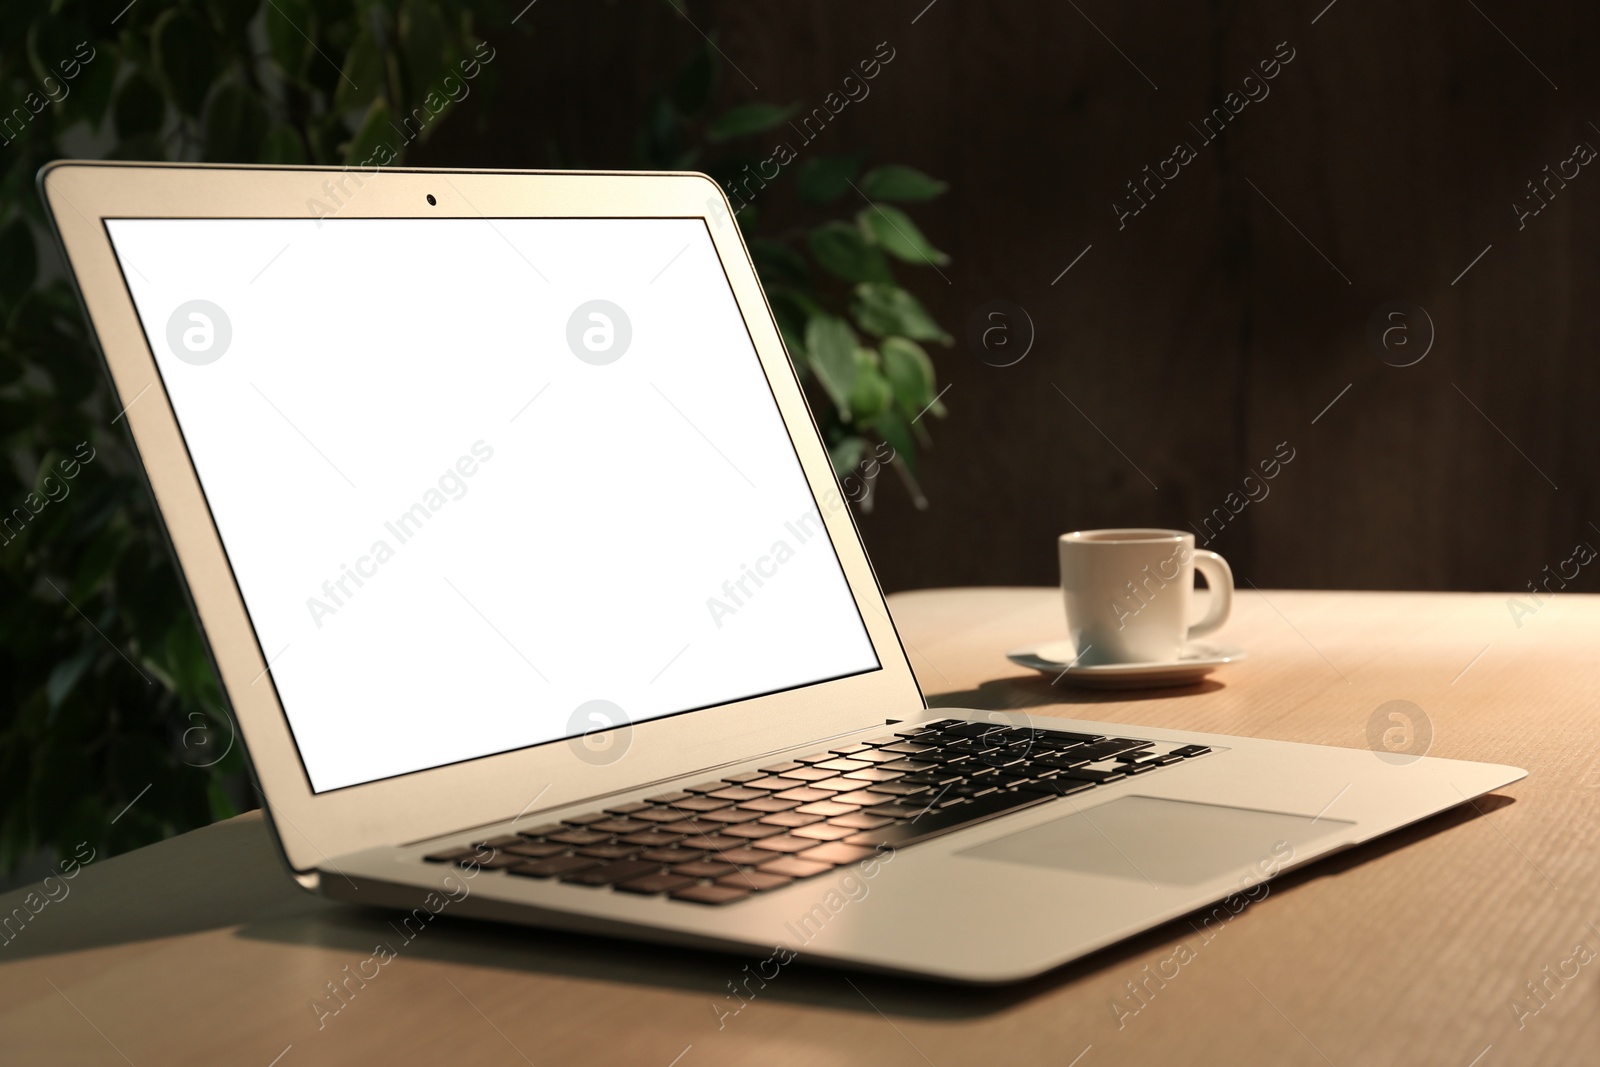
point(492, 491)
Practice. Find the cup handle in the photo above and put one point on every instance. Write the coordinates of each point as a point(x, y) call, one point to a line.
point(1219, 580)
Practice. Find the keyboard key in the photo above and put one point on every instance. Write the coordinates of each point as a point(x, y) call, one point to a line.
point(859, 820)
point(585, 820)
point(786, 843)
point(712, 843)
point(846, 750)
point(860, 798)
point(887, 739)
point(618, 826)
point(836, 785)
point(745, 856)
point(551, 867)
point(768, 804)
point(774, 784)
point(898, 811)
point(751, 831)
point(731, 816)
point(1064, 761)
point(825, 808)
point(658, 815)
point(824, 832)
point(1191, 750)
point(815, 757)
point(688, 826)
point(608, 852)
point(627, 809)
point(792, 818)
point(739, 793)
point(842, 765)
point(498, 862)
point(873, 774)
point(935, 823)
point(811, 774)
point(580, 837)
point(1088, 774)
point(702, 803)
point(651, 839)
point(907, 765)
point(803, 795)
point(540, 831)
point(705, 787)
point(709, 894)
point(909, 748)
point(704, 869)
point(780, 768)
point(612, 873)
point(873, 755)
point(794, 867)
point(534, 850)
point(742, 777)
point(760, 881)
point(501, 842)
point(670, 856)
point(1061, 737)
point(655, 883)
point(1056, 787)
point(451, 855)
point(669, 798)
point(909, 788)
point(837, 854)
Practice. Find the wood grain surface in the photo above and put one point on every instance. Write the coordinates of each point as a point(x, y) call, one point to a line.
point(1412, 950)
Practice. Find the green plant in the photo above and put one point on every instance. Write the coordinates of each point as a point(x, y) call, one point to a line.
point(855, 334)
point(112, 729)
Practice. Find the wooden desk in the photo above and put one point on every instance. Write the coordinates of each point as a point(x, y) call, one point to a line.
point(1408, 951)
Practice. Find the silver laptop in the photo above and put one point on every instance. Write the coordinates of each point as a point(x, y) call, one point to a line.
point(535, 599)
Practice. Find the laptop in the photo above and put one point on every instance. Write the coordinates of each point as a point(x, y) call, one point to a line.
point(535, 598)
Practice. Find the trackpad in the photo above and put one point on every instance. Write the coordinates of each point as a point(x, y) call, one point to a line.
point(1164, 842)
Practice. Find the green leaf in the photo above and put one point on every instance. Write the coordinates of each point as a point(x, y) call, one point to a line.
point(236, 121)
point(910, 371)
point(140, 107)
point(896, 182)
point(19, 260)
point(692, 90)
point(823, 179)
point(289, 25)
point(778, 264)
point(884, 310)
point(282, 144)
point(844, 253)
point(745, 119)
point(872, 392)
point(831, 351)
point(363, 75)
point(373, 141)
point(894, 231)
point(64, 676)
point(186, 56)
point(893, 428)
point(846, 453)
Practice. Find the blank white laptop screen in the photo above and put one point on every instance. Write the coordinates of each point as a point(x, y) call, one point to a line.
point(473, 475)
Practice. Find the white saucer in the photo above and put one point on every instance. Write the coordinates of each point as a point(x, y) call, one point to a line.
point(1194, 662)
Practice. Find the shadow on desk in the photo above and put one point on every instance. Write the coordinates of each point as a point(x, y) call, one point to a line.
point(1037, 691)
point(234, 880)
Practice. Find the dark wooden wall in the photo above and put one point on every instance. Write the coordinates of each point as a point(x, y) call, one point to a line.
point(1222, 319)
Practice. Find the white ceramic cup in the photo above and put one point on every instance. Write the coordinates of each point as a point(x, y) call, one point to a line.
point(1128, 593)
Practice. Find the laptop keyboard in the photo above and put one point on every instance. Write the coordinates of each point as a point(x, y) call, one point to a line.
point(720, 841)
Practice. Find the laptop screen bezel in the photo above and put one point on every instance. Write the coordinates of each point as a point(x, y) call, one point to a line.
point(313, 828)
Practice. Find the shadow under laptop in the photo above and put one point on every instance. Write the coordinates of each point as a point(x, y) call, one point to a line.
point(1037, 691)
point(580, 957)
